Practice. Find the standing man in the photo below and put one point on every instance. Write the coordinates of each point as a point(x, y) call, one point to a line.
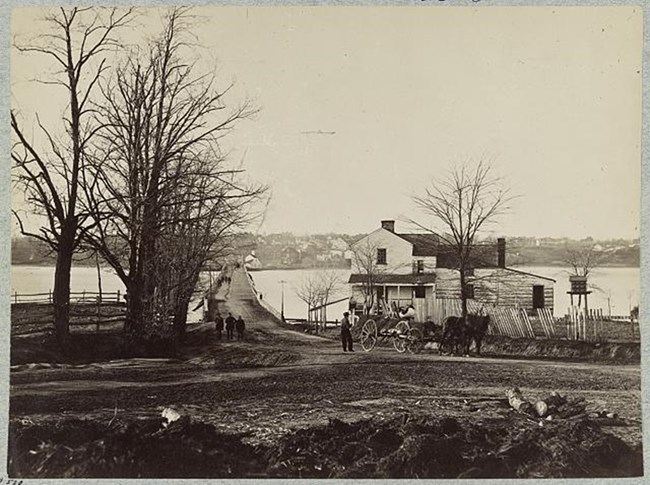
point(240, 326)
point(346, 335)
point(230, 326)
point(218, 322)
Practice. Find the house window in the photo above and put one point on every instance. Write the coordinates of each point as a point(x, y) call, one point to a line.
point(419, 291)
point(419, 266)
point(381, 256)
point(469, 272)
point(469, 291)
point(538, 296)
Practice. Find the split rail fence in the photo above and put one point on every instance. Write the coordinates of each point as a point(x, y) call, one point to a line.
point(34, 313)
point(75, 297)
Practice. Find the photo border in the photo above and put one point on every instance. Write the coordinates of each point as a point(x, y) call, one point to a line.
point(6, 7)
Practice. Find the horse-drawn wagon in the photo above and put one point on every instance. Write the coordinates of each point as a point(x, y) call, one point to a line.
point(455, 335)
point(401, 328)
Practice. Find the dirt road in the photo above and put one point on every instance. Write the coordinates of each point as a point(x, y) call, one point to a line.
point(278, 380)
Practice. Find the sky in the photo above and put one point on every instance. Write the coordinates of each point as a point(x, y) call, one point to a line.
point(363, 107)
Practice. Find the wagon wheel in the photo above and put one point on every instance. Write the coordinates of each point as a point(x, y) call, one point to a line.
point(415, 341)
point(368, 335)
point(400, 335)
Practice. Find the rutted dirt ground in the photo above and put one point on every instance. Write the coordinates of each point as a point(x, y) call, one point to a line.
point(279, 388)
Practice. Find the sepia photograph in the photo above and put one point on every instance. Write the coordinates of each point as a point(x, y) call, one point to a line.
point(324, 242)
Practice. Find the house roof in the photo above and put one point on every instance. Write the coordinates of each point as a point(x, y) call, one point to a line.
point(530, 274)
point(423, 244)
point(394, 279)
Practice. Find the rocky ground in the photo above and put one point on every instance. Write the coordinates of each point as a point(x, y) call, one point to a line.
point(286, 404)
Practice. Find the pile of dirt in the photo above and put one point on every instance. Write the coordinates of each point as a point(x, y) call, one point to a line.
point(425, 447)
point(404, 447)
point(144, 448)
point(558, 349)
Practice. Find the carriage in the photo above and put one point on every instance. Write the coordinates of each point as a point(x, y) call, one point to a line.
point(406, 334)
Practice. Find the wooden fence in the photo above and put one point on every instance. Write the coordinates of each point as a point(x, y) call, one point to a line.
point(78, 323)
point(517, 322)
point(34, 313)
point(508, 321)
point(75, 297)
point(611, 328)
point(599, 315)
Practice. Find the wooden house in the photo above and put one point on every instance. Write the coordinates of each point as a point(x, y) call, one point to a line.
point(252, 263)
point(391, 269)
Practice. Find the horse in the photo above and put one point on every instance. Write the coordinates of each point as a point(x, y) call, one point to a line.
point(453, 334)
point(475, 329)
point(459, 332)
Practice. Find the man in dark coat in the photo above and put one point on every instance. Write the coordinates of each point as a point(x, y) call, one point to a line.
point(218, 322)
point(230, 326)
point(346, 334)
point(240, 326)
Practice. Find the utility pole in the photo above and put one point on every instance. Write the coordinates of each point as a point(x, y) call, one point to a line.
point(282, 282)
point(609, 304)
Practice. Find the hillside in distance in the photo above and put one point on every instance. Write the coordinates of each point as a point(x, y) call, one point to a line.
point(288, 251)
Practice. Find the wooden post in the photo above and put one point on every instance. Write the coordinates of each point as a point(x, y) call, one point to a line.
point(99, 310)
point(15, 296)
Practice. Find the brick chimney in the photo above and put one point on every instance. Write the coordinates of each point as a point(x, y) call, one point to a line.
point(388, 225)
point(501, 252)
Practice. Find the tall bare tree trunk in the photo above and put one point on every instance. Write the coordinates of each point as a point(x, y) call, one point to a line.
point(134, 314)
point(61, 293)
point(463, 294)
point(99, 276)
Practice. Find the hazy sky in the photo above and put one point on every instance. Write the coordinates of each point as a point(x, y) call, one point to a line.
point(552, 95)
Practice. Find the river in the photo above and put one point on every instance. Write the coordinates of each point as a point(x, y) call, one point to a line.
point(620, 285)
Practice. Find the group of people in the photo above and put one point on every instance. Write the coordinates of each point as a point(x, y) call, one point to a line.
point(232, 324)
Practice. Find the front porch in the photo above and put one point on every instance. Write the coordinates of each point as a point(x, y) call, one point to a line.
point(387, 298)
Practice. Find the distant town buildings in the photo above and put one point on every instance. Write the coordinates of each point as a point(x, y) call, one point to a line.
point(285, 250)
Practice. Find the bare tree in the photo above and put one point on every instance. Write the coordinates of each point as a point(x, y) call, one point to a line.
point(50, 173)
point(364, 263)
point(206, 215)
point(582, 260)
point(165, 197)
point(309, 291)
point(330, 286)
point(468, 200)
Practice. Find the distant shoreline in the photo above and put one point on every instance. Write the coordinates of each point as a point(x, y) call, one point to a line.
point(549, 265)
point(298, 268)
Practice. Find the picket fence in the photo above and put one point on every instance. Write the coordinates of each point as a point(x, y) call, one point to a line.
point(507, 321)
